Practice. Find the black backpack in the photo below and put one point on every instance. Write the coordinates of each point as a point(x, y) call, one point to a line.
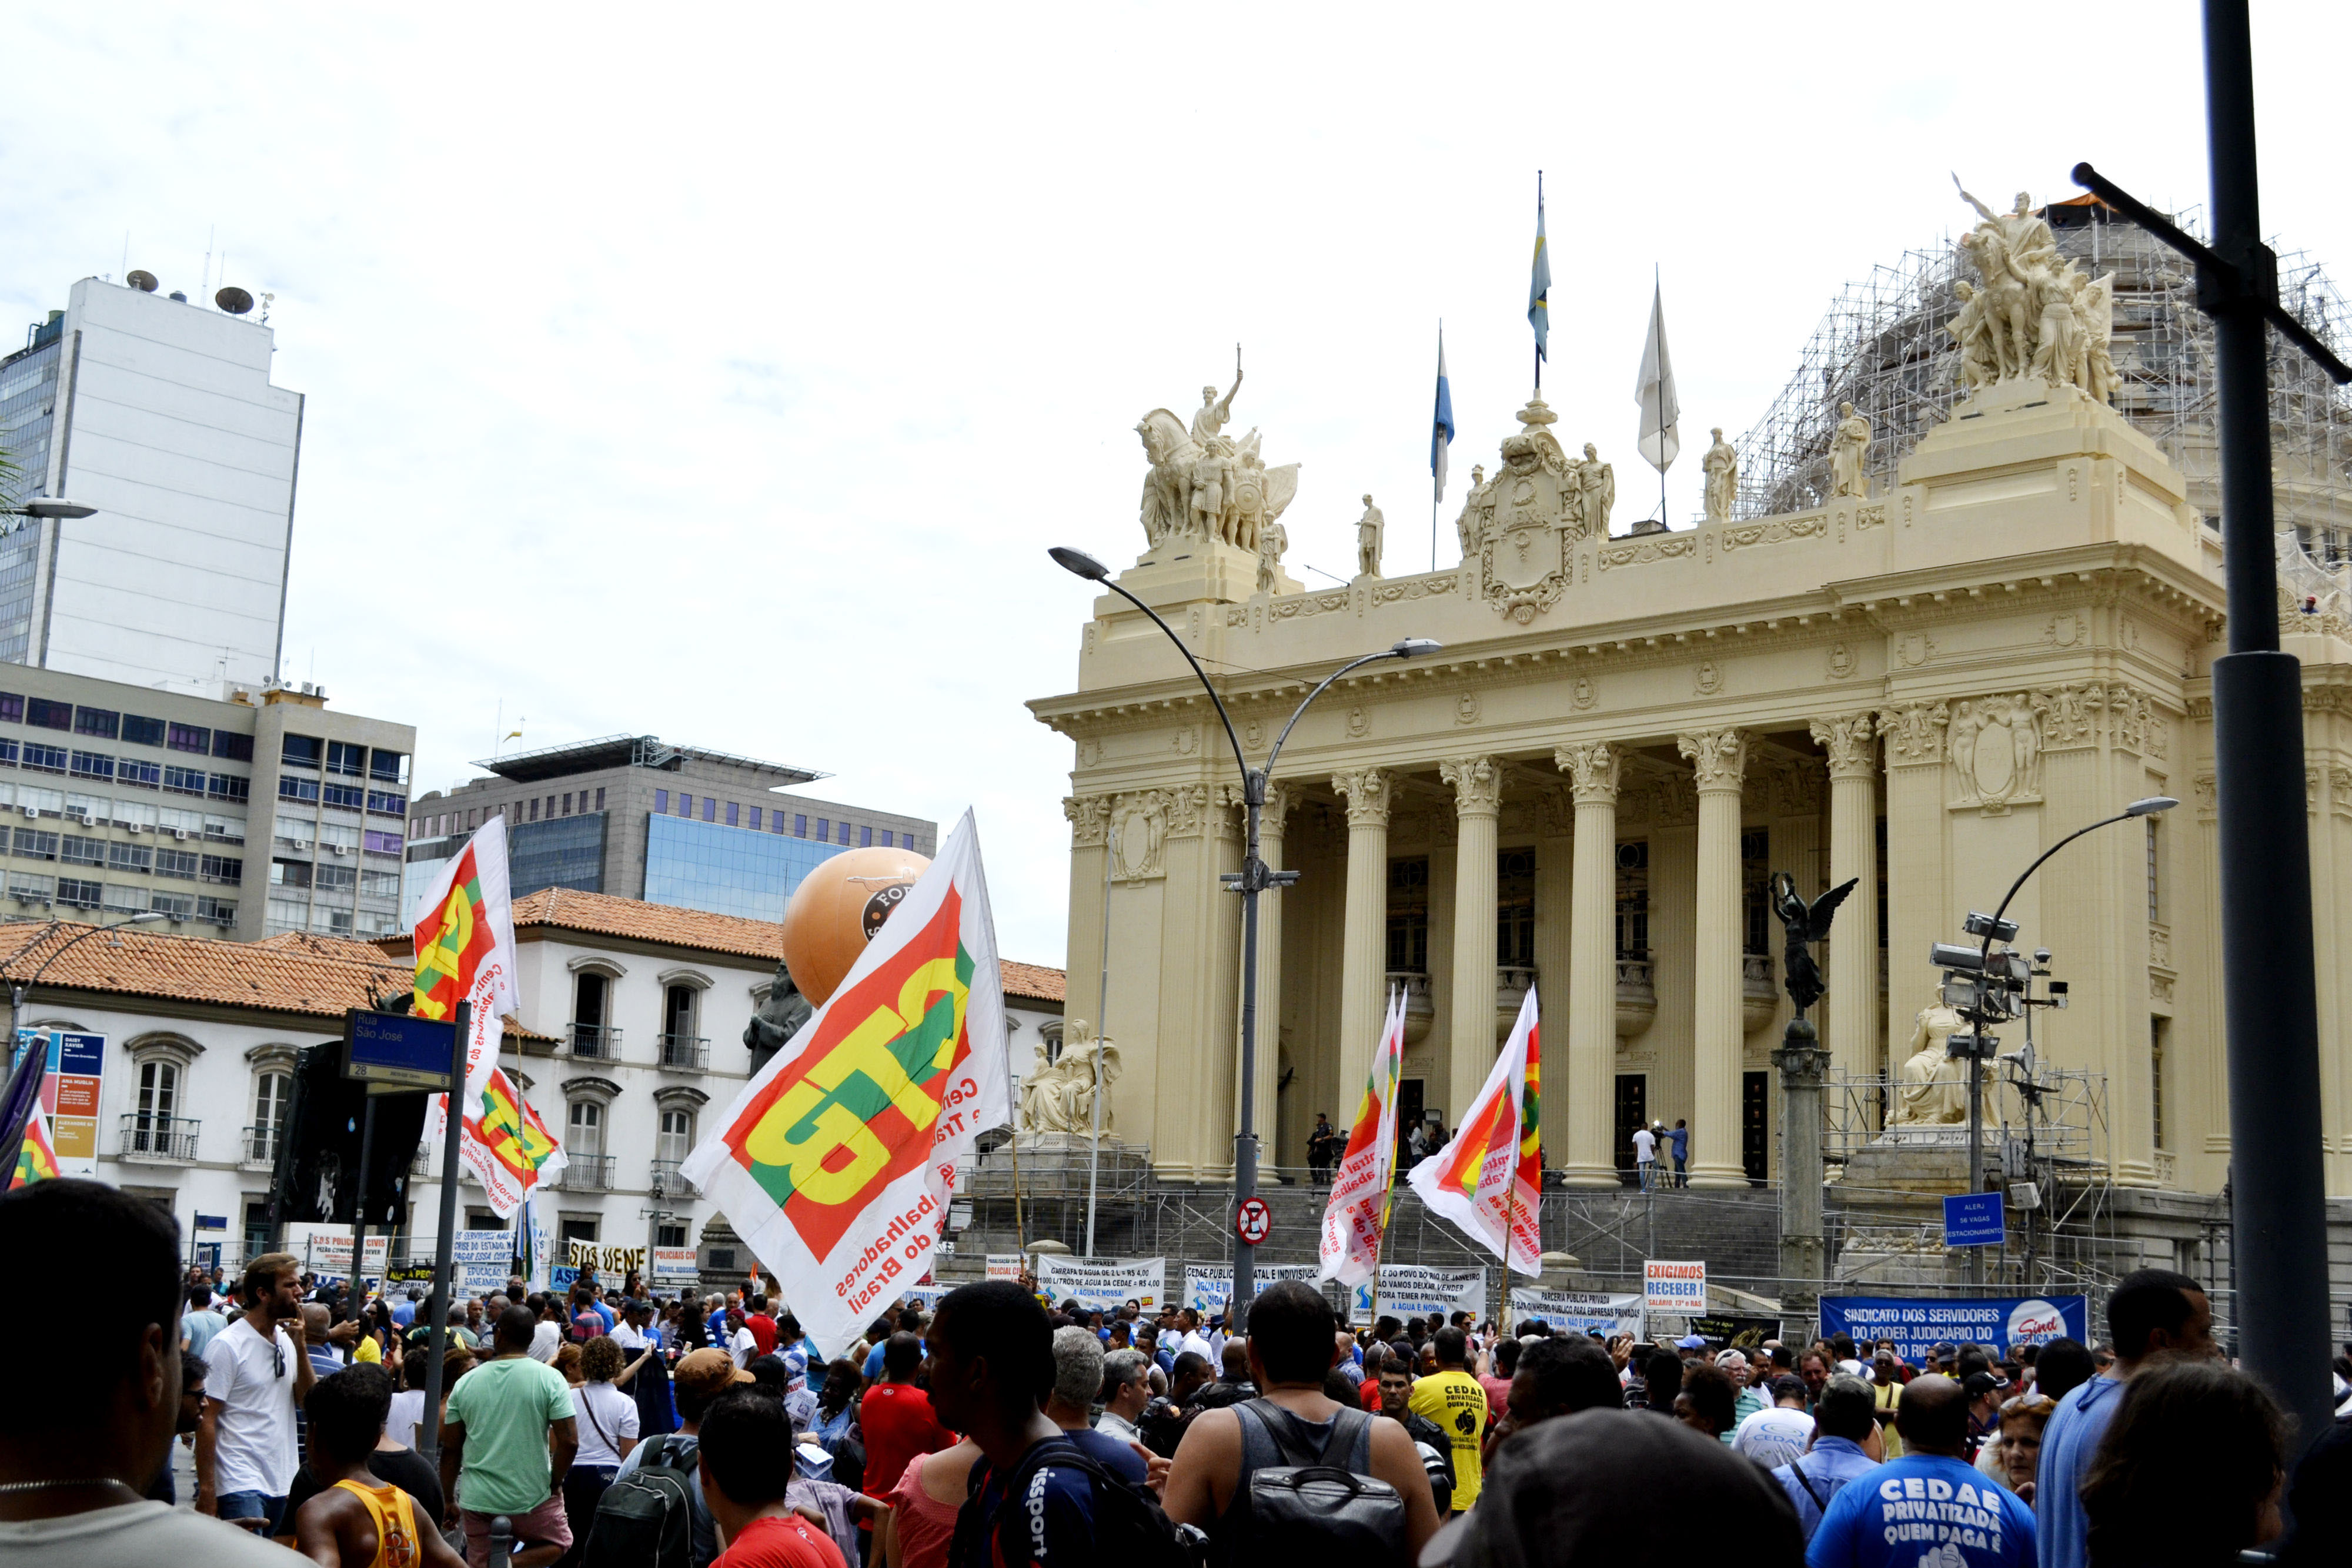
point(1305, 1509)
point(1131, 1530)
point(645, 1518)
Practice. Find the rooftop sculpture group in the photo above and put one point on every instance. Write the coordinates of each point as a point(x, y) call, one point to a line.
point(1521, 523)
point(1205, 485)
point(2031, 312)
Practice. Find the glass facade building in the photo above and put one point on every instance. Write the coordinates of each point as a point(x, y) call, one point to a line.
point(704, 865)
point(566, 852)
point(28, 396)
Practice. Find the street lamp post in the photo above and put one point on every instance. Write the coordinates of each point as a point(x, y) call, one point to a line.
point(42, 508)
point(1988, 981)
point(1254, 877)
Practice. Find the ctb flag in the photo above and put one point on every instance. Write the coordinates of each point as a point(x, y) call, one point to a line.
point(465, 952)
point(1489, 1179)
point(37, 1160)
point(835, 1163)
point(504, 1143)
point(1358, 1210)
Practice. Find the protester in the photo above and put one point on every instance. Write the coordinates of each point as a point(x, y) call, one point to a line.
point(1452, 1399)
point(1926, 1506)
point(260, 1372)
point(745, 1461)
point(83, 1433)
point(992, 1356)
point(390, 1462)
point(2189, 1469)
point(1290, 1350)
point(507, 1444)
point(643, 1376)
point(763, 1327)
point(1984, 1391)
point(1501, 1362)
point(700, 1377)
point(1644, 1492)
point(1078, 1378)
point(200, 1322)
point(1845, 1445)
point(1396, 1403)
point(2151, 1310)
point(353, 1515)
point(2015, 1451)
point(1707, 1402)
point(1887, 1377)
point(1125, 1392)
point(923, 1507)
point(1747, 1399)
point(2062, 1366)
point(1773, 1437)
point(897, 1417)
point(608, 1428)
point(164, 1489)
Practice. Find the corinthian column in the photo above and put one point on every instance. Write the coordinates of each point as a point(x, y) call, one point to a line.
point(1592, 1013)
point(1717, 759)
point(1363, 961)
point(1851, 741)
point(1478, 807)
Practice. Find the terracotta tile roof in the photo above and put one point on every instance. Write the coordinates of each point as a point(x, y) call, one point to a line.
point(321, 977)
point(1034, 981)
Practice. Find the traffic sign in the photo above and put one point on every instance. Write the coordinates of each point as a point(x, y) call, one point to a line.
point(1252, 1222)
point(1974, 1220)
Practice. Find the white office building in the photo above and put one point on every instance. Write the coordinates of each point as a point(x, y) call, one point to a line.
point(159, 412)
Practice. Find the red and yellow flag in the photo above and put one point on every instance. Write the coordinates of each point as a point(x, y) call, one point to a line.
point(465, 953)
point(1358, 1212)
point(37, 1160)
point(1489, 1179)
point(836, 1162)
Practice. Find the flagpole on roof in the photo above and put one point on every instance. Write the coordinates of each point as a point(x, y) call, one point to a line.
point(1440, 437)
point(1539, 288)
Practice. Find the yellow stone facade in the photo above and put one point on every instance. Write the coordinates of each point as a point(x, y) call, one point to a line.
point(1921, 689)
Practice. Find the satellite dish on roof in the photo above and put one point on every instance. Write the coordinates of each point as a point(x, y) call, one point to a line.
point(140, 279)
point(233, 300)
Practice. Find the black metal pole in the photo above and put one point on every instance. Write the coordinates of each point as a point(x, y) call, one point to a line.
point(1245, 1129)
point(2269, 1001)
point(445, 1288)
point(360, 1210)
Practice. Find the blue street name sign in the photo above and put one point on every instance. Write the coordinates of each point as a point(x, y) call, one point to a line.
point(398, 1049)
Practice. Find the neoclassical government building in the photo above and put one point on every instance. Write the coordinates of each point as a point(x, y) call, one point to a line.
point(1919, 681)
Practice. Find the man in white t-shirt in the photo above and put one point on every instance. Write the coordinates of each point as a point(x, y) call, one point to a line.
point(258, 1373)
point(740, 1344)
point(1190, 1337)
point(1776, 1436)
point(1645, 1157)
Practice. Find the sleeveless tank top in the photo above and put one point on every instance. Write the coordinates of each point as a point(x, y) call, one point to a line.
point(1343, 1442)
point(397, 1544)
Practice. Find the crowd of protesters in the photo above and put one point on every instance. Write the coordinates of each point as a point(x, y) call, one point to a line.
point(593, 1426)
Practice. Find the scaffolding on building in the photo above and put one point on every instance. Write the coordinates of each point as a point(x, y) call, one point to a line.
point(1884, 347)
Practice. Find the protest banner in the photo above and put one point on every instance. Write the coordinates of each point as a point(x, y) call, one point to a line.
point(614, 1261)
point(673, 1266)
point(1209, 1286)
point(1099, 1284)
point(1579, 1311)
point(1416, 1290)
point(1676, 1288)
point(1915, 1324)
point(1731, 1331)
point(327, 1249)
point(1006, 1265)
point(483, 1259)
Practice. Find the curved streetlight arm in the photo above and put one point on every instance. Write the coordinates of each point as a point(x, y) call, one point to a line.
point(1239, 761)
point(19, 989)
point(1309, 700)
point(1985, 953)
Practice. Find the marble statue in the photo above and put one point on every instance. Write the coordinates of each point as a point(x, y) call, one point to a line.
point(1803, 925)
point(1849, 451)
point(1205, 485)
point(2030, 312)
point(1933, 1090)
point(1271, 543)
point(1465, 527)
point(1059, 1096)
point(778, 1019)
point(1722, 465)
point(1596, 489)
point(1369, 528)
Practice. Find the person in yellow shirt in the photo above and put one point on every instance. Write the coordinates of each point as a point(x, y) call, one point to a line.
point(1886, 1394)
point(360, 1520)
point(1453, 1399)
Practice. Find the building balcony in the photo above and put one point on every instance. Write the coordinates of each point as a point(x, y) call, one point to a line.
point(1759, 999)
point(586, 1173)
point(1512, 984)
point(258, 1148)
point(593, 1042)
point(686, 1053)
point(1637, 993)
point(1420, 1011)
point(168, 1140)
point(667, 1183)
point(421, 1166)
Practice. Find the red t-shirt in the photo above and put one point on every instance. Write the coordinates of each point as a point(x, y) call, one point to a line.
point(763, 1331)
point(781, 1541)
point(1498, 1397)
point(900, 1424)
point(1369, 1393)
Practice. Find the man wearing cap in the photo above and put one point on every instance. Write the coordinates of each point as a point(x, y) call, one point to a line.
point(507, 1438)
point(1984, 1391)
point(1927, 1506)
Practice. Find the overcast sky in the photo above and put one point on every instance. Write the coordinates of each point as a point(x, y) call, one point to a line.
point(723, 373)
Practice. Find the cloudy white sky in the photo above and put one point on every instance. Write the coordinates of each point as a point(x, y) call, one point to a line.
point(724, 372)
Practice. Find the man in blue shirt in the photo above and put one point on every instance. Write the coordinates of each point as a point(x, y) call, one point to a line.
point(1680, 1139)
point(2152, 1309)
point(1930, 1509)
point(1845, 1429)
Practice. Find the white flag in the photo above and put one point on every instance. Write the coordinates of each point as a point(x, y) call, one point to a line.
point(1654, 390)
point(1358, 1209)
point(836, 1163)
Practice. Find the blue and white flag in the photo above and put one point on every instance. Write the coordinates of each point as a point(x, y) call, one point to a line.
point(1441, 432)
point(1540, 281)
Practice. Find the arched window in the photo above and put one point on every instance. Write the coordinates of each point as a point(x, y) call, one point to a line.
point(587, 1141)
point(159, 1092)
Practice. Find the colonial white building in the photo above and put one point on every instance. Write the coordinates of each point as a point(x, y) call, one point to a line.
point(180, 1058)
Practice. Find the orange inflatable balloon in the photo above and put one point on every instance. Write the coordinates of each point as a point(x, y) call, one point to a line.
point(836, 910)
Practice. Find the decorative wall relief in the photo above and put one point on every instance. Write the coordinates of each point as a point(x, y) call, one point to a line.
point(1087, 815)
point(1360, 723)
point(1841, 661)
point(1707, 678)
point(1580, 692)
point(1915, 732)
point(1994, 745)
point(1465, 709)
point(1914, 648)
point(1141, 823)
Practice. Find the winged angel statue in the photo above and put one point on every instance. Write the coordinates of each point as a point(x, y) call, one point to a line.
point(1804, 925)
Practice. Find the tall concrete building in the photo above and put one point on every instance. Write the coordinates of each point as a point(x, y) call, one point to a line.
point(636, 816)
point(159, 412)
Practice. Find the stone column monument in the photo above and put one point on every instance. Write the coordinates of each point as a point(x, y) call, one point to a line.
point(1803, 1066)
